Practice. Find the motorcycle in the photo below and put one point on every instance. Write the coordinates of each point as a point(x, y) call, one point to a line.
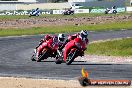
point(49, 50)
point(68, 12)
point(110, 11)
point(72, 49)
point(34, 13)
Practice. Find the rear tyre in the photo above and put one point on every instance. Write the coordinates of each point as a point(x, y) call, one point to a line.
point(106, 12)
point(58, 61)
point(114, 11)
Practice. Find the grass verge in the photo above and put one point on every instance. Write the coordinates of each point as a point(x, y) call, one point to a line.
point(59, 16)
point(66, 29)
point(111, 48)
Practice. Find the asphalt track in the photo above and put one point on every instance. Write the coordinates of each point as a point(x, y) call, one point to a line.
point(15, 53)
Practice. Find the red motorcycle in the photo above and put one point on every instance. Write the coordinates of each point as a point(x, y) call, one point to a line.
point(49, 50)
point(73, 49)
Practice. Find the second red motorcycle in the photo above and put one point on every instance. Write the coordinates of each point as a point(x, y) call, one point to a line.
point(49, 50)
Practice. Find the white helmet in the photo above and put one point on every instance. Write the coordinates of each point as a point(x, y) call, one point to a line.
point(84, 34)
point(61, 37)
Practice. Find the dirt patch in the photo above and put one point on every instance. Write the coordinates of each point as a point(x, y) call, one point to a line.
point(106, 59)
point(39, 22)
point(10, 82)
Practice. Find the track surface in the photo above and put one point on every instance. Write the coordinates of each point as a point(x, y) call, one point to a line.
point(15, 53)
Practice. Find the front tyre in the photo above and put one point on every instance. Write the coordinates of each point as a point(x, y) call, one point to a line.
point(44, 55)
point(70, 57)
point(58, 59)
point(33, 57)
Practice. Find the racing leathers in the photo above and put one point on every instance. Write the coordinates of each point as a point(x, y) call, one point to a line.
point(41, 45)
point(72, 37)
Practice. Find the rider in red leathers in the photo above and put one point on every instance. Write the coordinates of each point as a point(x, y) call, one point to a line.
point(61, 43)
point(47, 38)
point(83, 35)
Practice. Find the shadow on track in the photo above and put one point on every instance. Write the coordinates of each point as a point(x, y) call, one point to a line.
point(91, 64)
point(46, 61)
point(82, 63)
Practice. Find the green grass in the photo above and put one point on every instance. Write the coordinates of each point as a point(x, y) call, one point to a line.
point(60, 15)
point(66, 28)
point(111, 48)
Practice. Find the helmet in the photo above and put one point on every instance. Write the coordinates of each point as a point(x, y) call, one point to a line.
point(61, 37)
point(47, 37)
point(84, 34)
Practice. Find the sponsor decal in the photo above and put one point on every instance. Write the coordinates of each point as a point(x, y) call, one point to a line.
point(86, 81)
point(24, 12)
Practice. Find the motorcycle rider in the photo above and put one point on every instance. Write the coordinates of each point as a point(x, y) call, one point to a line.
point(83, 35)
point(113, 7)
point(107, 9)
point(61, 43)
point(61, 40)
point(46, 38)
point(40, 46)
point(35, 12)
point(78, 41)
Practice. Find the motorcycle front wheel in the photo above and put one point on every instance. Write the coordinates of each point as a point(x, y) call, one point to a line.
point(44, 55)
point(70, 57)
point(59, 58)
point(114, 11)
point(33, 57)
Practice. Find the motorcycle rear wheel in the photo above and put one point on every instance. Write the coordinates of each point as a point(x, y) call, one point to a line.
point(58, 59)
